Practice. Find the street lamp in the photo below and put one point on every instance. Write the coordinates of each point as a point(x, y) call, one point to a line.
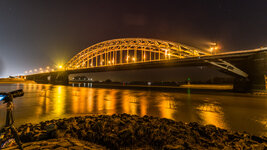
point(213, 48)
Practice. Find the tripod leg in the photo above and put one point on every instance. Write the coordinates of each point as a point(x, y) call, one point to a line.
point(15, 134)
point(8, 116)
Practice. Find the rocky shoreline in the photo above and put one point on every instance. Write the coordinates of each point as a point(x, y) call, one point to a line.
point(122, 131)
point(59, 144)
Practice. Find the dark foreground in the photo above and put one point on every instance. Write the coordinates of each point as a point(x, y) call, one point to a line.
point(131, 131)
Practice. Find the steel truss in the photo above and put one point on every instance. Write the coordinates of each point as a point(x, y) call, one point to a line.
point(130, 50)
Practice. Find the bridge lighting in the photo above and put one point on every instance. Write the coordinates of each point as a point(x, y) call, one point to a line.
point(52, 69)
point(169, 56)
point(214, 47)
point(30, 71)
point(46, 70)
point(35, 70)
point(40, 68)
point(213, 44)
point(25, 72)
point(127, 58)
point(47, 67)
point(211, 49)
point(166, 52)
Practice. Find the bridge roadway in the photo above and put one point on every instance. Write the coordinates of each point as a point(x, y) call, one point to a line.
point(248, 67)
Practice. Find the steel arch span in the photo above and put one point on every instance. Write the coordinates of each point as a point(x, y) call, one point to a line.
point(130, 50)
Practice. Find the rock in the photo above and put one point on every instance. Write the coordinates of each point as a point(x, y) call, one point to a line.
point(60, 148)
point(258, 139)
point(128, 131)
point(32, 147)
point(173, 147)
point(76, 148)
point(50, 127)
point(64, 144)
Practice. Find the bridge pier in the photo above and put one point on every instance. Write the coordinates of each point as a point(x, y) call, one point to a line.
point(256, 67)
point(258, 71)
point(241, 85)
point(61, 78)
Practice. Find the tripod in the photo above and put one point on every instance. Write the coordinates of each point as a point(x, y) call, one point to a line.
point(9, 123)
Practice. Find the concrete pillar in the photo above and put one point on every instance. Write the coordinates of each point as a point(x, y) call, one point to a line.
point(241, 85)
point(61, 78)
point(258, 71)
point(256, 67)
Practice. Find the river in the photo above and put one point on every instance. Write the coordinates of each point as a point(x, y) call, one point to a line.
point(234, 111)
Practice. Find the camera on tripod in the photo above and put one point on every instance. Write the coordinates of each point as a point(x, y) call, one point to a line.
point(7, 97)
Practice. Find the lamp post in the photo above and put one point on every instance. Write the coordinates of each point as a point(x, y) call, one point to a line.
point(213, 48)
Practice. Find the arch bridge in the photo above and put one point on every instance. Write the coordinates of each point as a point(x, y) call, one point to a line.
point(130, 50)
point(248, 66)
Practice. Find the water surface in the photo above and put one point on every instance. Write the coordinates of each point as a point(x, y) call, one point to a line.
point(244, 112)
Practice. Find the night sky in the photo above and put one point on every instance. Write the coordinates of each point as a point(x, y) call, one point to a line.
point(39, 33)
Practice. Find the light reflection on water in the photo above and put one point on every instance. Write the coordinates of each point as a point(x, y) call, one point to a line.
point(226, 110)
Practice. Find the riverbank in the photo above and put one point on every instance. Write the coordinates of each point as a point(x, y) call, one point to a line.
point(131, 131)
point(200, 87)
point(14, 80)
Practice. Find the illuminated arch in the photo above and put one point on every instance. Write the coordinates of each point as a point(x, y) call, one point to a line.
point(130, 50)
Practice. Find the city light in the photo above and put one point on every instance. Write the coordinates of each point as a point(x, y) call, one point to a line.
point(214, 48)
point(127, 58)
point(47, 67)
point(166, 52)
point(40, 68)
point(211, 49)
